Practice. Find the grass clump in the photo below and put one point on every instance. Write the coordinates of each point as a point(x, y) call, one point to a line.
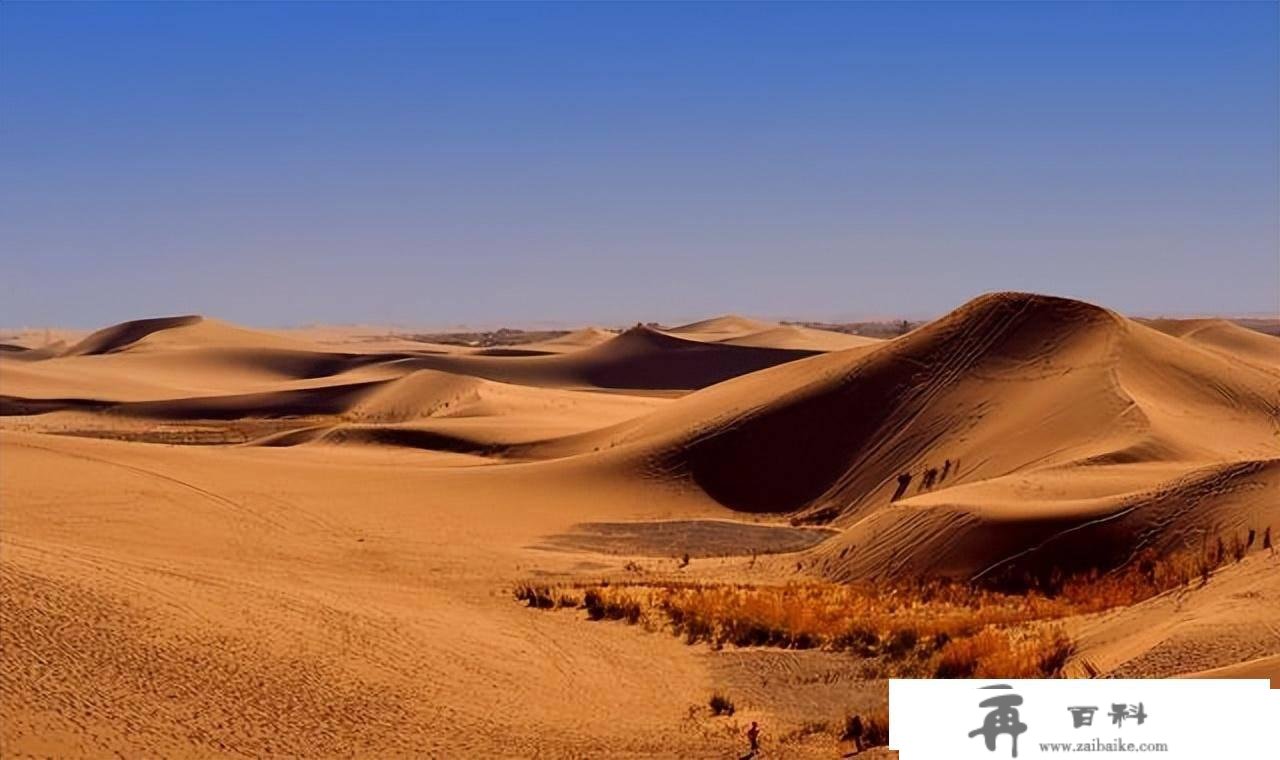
point(544, 597)
point(721, 704)
point(536, 596)
point(605, 604)
point(992, 653)
point(870, 729)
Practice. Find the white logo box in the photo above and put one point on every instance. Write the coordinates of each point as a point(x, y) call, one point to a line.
point(932, 719)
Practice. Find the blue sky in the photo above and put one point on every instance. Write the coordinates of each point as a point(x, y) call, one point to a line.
point(490, 163)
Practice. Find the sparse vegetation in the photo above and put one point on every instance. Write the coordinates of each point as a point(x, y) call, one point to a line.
point(602, 605)
point(938, 628)
point(948, 630)
point(1001, 654)
point(869, 729)
point(545, 597)
point(721, 704)
point(538, 597)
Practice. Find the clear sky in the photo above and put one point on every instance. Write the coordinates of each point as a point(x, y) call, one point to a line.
point(487, 163)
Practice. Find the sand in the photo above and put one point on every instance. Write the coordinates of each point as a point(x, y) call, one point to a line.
point(219, 541)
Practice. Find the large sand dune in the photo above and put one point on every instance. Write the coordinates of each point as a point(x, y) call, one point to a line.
point(332, 577)
point(192, 331)
point(1062, 423)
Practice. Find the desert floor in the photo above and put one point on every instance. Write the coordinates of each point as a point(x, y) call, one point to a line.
point(217, 541)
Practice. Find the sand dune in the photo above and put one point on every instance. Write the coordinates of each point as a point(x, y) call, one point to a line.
point(1226, 338)
point(801, 338)
point(330, 574)
point(640, 358)
point(574, 341)
point(175, 332)
point(424, 409)
point(913, 445)
point(1224, 630)
point(159, 374)
point(722, 326)
point(15, 352)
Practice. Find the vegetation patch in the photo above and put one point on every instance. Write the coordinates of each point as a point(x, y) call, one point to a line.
point(721, 704)
point(937, 629)
point(868, 729)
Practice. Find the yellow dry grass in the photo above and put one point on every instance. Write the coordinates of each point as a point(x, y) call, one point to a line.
point(941, 629)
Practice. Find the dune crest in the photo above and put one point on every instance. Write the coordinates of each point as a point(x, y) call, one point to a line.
point(724, 324)
point(1009, 389)
point(801, 338)
point(117, 337)
point(166, 333)
point(1226, 338)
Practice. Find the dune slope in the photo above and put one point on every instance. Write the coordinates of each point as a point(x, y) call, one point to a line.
point(921, 446)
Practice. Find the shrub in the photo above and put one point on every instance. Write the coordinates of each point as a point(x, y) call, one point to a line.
point(1238, 547)
point(959, 657)
point(996, 654)
point(858, 639)
point(538, 597)
point(605, 604)
point(594, 604)
point(721, 704)
point(900, 643)
point(875, 728)
point(871, 729)
point(696, 629)
point(1054, 650)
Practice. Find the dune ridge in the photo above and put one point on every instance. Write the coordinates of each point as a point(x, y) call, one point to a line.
point(905, 444)
point(335, 530)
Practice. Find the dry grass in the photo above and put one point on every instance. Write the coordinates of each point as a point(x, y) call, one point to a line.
point(994, 653)
point(721, 704)
point(545, 597)
point(869, 729)
point(937, 629)
point(949, 630)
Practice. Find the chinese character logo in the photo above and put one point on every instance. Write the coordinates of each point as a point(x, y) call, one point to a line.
point(1002, 719)
point(1082, 716)
point(1120, 712)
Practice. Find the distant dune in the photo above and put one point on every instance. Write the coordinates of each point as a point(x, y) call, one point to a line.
point(727, 324)
point(801, 338)
point(173, 333)
point(1226, 338)
point(640, 358)
point(920, 446)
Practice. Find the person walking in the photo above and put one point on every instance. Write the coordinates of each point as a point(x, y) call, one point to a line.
point(753, 738)
point(854, 732)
